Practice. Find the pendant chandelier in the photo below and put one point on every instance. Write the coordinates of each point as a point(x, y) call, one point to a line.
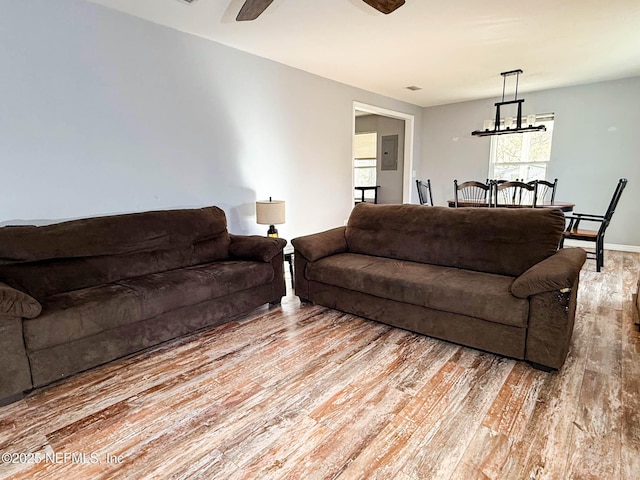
point(508, 126)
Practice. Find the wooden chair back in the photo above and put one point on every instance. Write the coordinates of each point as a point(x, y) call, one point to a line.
point(424, 192)
point(622, 183)
point(472, 194)
point(546, 191)
point(514, 194)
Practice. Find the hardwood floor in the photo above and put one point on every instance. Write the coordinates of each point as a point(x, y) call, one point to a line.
point(304, 392)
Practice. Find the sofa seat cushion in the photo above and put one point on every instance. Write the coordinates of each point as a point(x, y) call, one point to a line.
point(166, 291)
point(73, 315)
point(482, 295)
point(69, 316)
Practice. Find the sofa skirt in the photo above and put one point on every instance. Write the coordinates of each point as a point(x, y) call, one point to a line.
point(60, 361)
point(473, 332)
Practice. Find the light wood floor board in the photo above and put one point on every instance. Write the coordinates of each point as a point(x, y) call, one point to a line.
point(305, 392)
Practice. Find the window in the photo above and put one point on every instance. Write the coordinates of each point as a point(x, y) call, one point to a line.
point(364, 162)
point(522, 156)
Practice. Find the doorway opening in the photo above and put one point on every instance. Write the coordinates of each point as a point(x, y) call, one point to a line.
point(365, 164)
point(386, 165)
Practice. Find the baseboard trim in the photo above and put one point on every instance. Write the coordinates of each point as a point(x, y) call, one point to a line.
point(607, 246)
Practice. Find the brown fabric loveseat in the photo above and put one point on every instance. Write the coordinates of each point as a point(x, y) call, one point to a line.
point(81, 293)
point(491, 279)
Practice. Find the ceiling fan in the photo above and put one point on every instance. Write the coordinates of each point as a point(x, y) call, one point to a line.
point(253, 8)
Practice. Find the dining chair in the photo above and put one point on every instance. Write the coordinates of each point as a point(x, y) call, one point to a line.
point(514, 194)
point(574, 232)
point(546, 191)
point(424, 192)
point(472, 194)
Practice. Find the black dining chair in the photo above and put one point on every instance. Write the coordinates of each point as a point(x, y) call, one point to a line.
point(546, 194)
point(472, 194)
point(514, 194)
point(574, 232)
point(424, 192)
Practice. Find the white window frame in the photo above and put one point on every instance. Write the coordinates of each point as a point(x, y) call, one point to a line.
point(368, 194)
point(547, 119)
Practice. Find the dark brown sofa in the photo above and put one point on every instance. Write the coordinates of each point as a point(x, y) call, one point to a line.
point(81, 293)
point(491, 279)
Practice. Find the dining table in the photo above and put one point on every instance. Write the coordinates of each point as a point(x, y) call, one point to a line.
point(564, 206)
point(364, 189)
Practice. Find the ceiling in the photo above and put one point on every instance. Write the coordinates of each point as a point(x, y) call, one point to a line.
point(453, 50)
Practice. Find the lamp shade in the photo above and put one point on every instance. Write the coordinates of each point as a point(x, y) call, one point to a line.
point(270, 212)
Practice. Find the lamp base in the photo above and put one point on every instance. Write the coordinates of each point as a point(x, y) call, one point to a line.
point(272, 232)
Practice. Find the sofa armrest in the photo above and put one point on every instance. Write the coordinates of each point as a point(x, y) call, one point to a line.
point(323, 244)
point(556, 272)
point(14, 303)
point(15, 376)
point(255, 247)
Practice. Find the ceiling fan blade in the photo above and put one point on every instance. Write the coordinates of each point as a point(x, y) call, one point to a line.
point(385, 6)
point(252, 9)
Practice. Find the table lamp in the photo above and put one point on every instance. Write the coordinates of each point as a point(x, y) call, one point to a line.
point(270, 212)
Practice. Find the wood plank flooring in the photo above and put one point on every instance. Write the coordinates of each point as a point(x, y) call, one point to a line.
point(304, 392)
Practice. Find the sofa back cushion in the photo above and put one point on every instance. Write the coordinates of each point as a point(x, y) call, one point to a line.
point(58, 258)
point(504, 241)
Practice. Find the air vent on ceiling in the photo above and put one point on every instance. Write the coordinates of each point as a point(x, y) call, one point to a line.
point(413, 88)
point(187, 1)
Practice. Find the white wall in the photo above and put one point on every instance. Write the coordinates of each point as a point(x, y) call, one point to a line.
point(390, 181)
point(596, 141)
point(103, 113)
point(106, 113)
